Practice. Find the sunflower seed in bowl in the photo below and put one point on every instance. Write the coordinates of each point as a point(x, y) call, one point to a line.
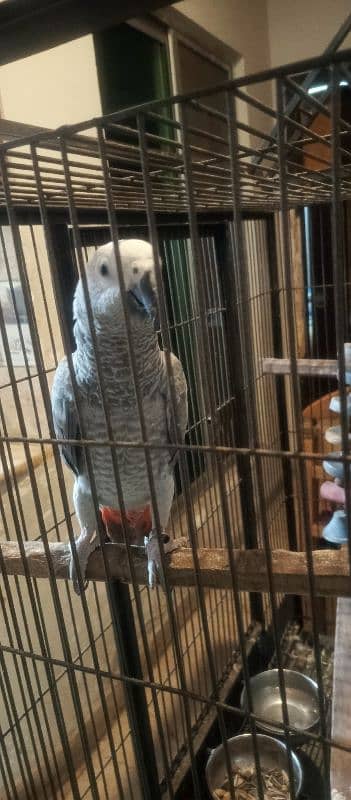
point(275, 784)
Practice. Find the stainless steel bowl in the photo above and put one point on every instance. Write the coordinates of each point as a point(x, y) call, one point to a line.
point(301, 696)
point(272, 753)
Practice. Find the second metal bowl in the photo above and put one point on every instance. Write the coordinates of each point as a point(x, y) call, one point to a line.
point(301, 696)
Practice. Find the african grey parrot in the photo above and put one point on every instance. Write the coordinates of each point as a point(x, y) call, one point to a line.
point(109, 324)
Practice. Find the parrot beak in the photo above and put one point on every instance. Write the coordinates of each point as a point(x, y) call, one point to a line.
point(145, 297)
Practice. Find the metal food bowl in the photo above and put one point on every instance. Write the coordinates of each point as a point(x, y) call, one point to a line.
point(301, 696)
point(272, 753)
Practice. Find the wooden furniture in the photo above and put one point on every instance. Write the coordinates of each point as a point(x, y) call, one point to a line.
point(317, 418)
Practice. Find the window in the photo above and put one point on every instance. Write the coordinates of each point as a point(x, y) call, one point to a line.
point(145, 60)
point(132, 67)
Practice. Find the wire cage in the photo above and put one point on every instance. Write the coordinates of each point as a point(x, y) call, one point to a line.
point(113, 694)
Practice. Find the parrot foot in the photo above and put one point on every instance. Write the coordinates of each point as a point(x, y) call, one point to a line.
point(154, 564)
point(85, 545)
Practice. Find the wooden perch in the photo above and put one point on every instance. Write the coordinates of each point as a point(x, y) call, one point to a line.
point(305, 366)
point(331, 567)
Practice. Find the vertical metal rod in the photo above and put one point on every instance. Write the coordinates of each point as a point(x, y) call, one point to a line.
point(20, 749)
point(96, 744)
point(40, 626)
point(183, 464)
point(44, 387)
point(217, 344)
point(208, 382)
point(32, 701)
point(240, 422)
point(44, 296)
point(166, 722)
point(280, 388)
point(209, 257)
point(130, 647)
point(249, 375)
point(261, 323)
point(9, 767)
point(147, 765)
point(17, 723)
point(337, 214)
point(338, 235)
point(113, 692)
point(14, 794)
point(57, 240)
point(118, 631)
point(239, 503)
point(170, 609)
point(44, 749)
point(189, 357)
point(40, 630)
point(138, 708)
point(9, 596)
point(297, 410)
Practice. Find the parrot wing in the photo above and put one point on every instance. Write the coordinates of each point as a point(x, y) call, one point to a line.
point(65, 417)
point(177, 418)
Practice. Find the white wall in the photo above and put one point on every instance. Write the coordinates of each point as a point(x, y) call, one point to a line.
point(302, 28)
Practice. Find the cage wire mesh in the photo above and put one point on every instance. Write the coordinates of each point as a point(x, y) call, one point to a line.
point(112, 694)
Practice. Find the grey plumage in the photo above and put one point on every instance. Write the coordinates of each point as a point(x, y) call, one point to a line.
point(109, 324)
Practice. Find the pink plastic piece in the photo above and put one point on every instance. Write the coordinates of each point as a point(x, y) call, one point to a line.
point(332, 492)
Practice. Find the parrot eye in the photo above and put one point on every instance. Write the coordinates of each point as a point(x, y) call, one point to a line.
point(104, 269)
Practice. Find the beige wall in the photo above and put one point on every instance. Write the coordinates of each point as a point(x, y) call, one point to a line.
point(60, 85)
point(240, 24)
point(303, 28)
point(52, 88)
point(42, 296)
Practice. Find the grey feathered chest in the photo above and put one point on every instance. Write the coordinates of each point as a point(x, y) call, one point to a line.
point(121, 405)
point(165, 421)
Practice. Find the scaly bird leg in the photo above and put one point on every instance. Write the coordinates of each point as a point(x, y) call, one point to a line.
point(86, 543)
point(154, 563)
point(164, 495)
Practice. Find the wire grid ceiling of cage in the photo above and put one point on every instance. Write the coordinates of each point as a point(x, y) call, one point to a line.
point(193, 133)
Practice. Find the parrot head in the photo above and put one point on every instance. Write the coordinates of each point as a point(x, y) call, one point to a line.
point(139, 279)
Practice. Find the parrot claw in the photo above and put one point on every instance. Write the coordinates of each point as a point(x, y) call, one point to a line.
point(85, 545)
point(154, 564)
